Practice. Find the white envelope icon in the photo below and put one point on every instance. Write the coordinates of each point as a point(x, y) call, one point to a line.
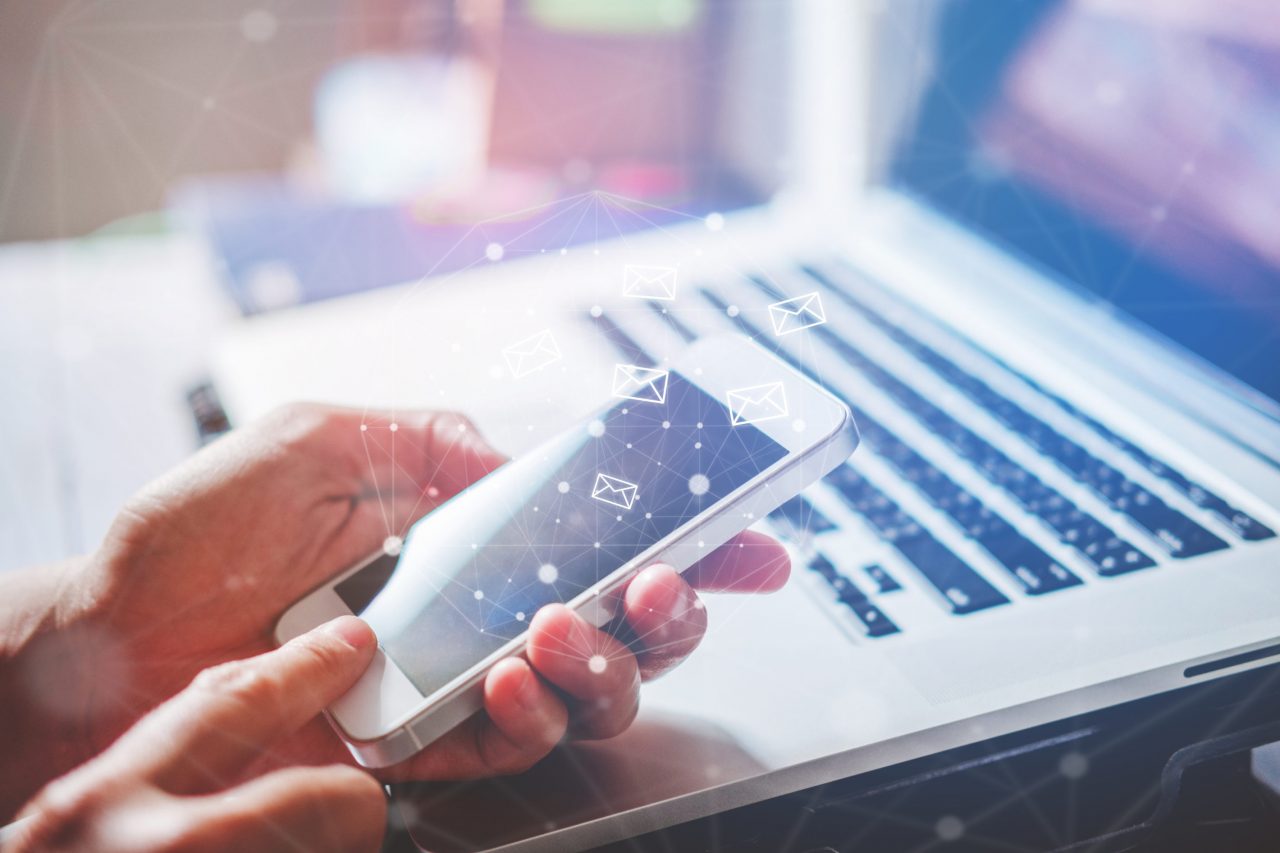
point(799, 312)
point(646, 384)
point(615, 492)
point(757, 403)
point(649, 282)
point(531, 354)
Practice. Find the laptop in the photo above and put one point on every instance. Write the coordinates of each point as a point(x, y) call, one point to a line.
point(1048, 291)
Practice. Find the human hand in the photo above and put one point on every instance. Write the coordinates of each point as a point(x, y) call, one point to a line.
point(200, 564)
point(161, 787)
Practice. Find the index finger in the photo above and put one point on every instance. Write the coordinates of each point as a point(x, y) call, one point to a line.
point(749, 562)
point(202, 738)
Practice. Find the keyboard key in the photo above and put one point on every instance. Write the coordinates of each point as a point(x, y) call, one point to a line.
point(622, 342)
point(687, 334)
point(964, 590)
point(824, 567)
point(873, 620)
point(881, 578)
point(871, 616)
point(1179, 535)
point(1028, 562)
point(801, 519)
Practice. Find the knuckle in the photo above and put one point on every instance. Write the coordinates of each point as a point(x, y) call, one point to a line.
point(294, 424)
point(242, 680)
point(63, 812)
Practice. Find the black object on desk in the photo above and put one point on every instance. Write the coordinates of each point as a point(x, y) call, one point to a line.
point(1168, 773)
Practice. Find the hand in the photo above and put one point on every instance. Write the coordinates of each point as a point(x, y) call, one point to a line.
point(160, 788)
point(200, 564)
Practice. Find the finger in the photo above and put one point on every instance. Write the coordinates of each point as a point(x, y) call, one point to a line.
point(592, 667)
point(749, 562)
point(334, 808)
point(233, 712)
point(408, 463)
point(524, 718)
point(666, 618)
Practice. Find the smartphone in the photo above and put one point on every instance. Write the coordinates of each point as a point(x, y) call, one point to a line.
point(679, 460)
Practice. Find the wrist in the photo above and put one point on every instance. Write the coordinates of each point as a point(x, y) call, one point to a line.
point(48, 663)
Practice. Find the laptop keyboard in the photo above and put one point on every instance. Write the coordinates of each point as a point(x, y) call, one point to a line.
point(1008, 545)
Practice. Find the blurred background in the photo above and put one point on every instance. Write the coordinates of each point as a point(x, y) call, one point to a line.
point(109, 107)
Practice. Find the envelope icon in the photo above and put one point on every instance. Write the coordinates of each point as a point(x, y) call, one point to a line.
point(799, 312)
point(646, 384)
point(613, 491)
point(531, 354)
point(649, 282)
point(757, 403)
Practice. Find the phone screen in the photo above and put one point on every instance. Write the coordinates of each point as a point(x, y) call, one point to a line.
point(550, 525)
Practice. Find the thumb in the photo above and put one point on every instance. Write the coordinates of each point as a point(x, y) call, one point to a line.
point(207, 734)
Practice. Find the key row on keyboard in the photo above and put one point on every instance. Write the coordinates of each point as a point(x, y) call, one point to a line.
point(962, 588)
point(1245, 526)
point(1180, 536)
point(1096, 543)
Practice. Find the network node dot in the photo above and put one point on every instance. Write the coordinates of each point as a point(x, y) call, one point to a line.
point(494, 251)
point(698, 424)
point(520, 616)
point(1073, 765)
point(597, 545)
point(715, 221)
point(648, 515)
point(732, 311)
point(597, 664)
point(699, 484)
point(949, 828)
point(562, 487)
point(697, 445)
point(548, 573)
point(595, 429)
point(364, 427)
point(597, 311)
point(394, 427)
point(666, 424)
point(391, 545)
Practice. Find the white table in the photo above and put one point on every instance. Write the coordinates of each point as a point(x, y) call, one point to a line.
point(100, 340)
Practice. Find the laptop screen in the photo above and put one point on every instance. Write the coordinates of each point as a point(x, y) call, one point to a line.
point(1130, 146)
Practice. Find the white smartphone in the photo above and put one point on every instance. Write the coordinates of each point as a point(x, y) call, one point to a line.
point(680, 460)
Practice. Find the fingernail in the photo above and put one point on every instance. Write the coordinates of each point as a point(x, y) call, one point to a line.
point(667, 582)
point(356, 633)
